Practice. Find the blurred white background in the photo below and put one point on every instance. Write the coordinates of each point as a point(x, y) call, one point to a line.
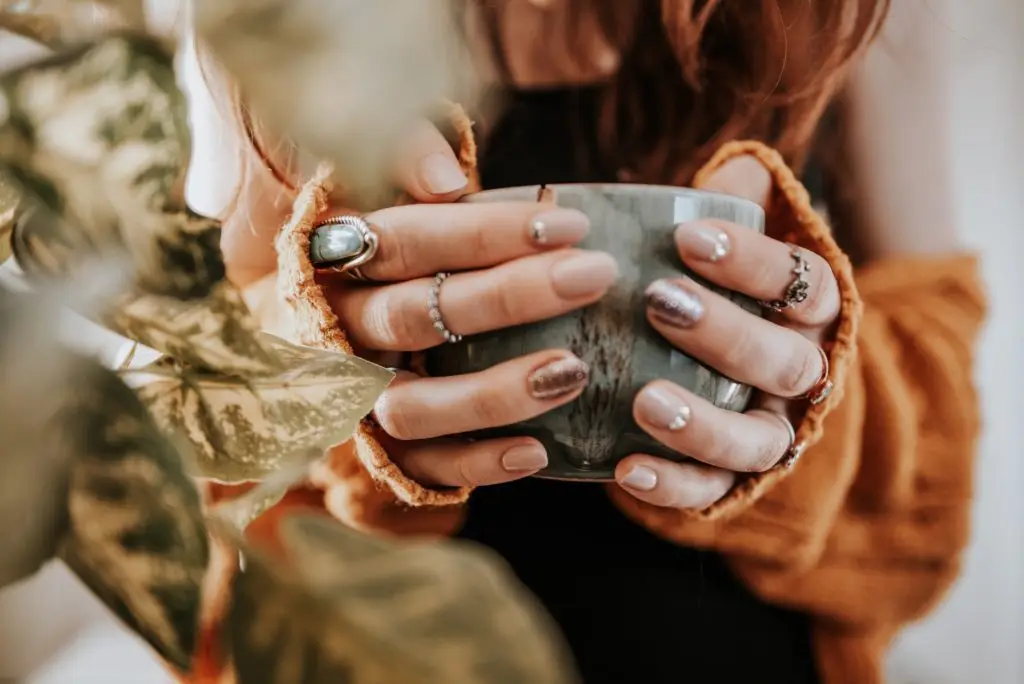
point(53, 631)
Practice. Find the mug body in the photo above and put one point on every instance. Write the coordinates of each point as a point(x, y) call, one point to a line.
point(635, 224)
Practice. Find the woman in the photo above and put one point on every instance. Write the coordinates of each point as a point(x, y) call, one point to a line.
point(733, 568)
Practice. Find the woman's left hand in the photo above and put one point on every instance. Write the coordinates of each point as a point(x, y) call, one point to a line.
point(780, 355)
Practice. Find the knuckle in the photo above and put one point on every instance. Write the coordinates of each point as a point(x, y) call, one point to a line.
point(391, 322)
point(764, 277)
point(767, 449)
point(766, 454)
point(720, 448)
point(822, 304)
point(715, 484)
point(395, 418)
point(799, 373)
point(503, 300)
point(737, 353)
point(697, 487)
point(493, 409)
point(393, 253)
point(465, 472)
point(482, 244)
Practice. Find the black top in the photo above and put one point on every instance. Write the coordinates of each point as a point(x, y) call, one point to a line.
point(635, 609)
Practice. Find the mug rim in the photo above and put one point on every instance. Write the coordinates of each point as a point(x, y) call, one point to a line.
point(604, 187)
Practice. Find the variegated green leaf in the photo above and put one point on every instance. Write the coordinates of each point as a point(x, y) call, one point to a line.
point(354, 608)
point(344, 79)
point(98, 139)
point(282, 633)
point(361, 609)
point(8, 209)
point(36, 27)
point(246, 428)
point(136, 534)
point(215, 333)
point(453, 607)
point(35, 375)
point(59, 23)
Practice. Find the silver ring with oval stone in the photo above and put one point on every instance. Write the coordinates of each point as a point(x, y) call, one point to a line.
point(343, 244)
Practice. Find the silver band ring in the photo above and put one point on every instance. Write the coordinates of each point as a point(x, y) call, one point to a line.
point(793, 450)
point(343, 244)
point(434, 309)
point(798, 289)
point(823, 387)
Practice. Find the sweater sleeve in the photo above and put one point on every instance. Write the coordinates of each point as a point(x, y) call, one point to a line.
point(362, 486)
point(867, 529)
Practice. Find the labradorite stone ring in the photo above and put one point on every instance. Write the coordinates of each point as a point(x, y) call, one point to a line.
point(343, 244)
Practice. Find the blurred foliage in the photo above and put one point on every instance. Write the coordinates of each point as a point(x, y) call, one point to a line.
point(100, 468)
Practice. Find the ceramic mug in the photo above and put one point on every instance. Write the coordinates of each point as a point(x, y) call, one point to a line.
point(635, 224)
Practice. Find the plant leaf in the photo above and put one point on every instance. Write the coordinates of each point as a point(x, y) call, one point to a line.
point(35, 374)
point(136, 533)
point(9, 200)
point(39, 28)
point(215, 333)
point(98, 138)
point(360, 609)
point(246, 428)
point(343, 79)
point(59, 23)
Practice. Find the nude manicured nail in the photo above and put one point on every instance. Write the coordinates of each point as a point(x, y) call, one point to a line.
point(558, 378)
point(640, 478)
point(673, 303)
point(702, 241)
point(663, 409)
point(524, 458)
point(559, 227)
point(441, 175)
point(583, 274)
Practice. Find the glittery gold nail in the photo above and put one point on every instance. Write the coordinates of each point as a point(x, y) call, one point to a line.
point(558, 378)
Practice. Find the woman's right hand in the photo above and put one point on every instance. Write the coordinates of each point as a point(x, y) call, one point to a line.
point(512, 263)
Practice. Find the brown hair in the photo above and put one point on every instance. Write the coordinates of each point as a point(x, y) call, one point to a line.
point(695, 74)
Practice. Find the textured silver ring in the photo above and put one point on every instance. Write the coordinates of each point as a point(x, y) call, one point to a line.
point(798, 289)
point(343, 244)
point(793, 450)
point(434, 309)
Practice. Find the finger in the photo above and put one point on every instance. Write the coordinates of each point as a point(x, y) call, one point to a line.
point(693, 426)
point(447, 463)
point(428, 169)
point(746, 261)
point(672, 485)
point(397, 317)
point(420, 240)
point(505, 394)
point(740, 345)
point(744, 177)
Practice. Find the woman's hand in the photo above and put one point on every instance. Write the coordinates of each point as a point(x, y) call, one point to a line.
point(779, 356)
point(514, 263)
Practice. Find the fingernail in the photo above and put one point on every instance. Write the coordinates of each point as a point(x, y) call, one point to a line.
point(640, 478)
point(702, 241)
point(558, 378)
point(583, 274)
point(441, 174)
point(661, 408)
point(671, 303)
point(524, 458)
point(559, 227)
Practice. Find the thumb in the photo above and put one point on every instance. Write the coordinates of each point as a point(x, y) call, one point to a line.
point(744, 177)
point(428, 169)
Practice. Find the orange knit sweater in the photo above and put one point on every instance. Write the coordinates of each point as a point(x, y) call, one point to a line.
point(864, 533)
